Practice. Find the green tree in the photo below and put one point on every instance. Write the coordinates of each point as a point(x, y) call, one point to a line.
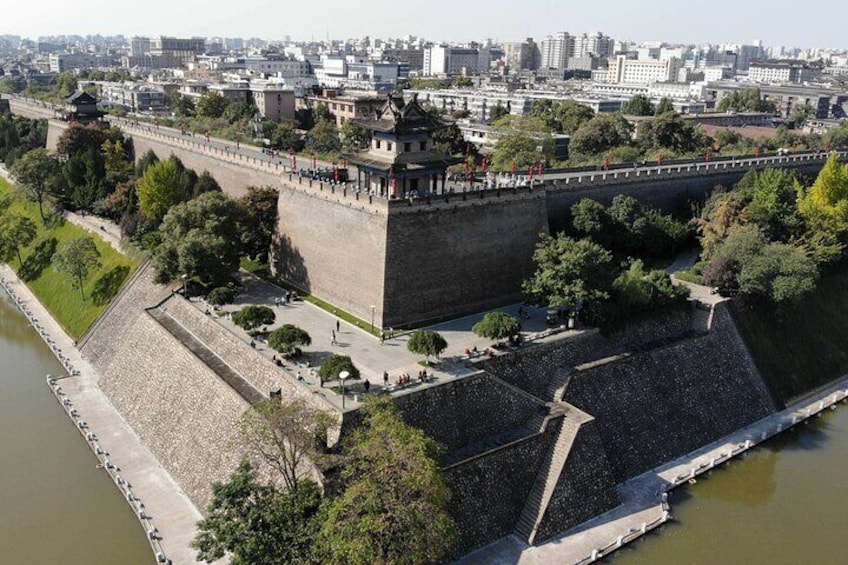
point(600, 134)
point(497, 325)
point(286, 338)
point(323, 137)
point(202, 239)
point(426, 342)
point(827, 198)
point(562, 117)
point(463, 82)
point(221, 296)
point(665, 106)
point(79, 138)
point(574, 274)
point(36, 173)
point(183, 106)
point(773, 204)
point(285, 136)
point(668, 131)
point(251, 317)
point(148, 159)
point(837, 138)
point(394, 505)
point(639, 105)
point(746, 100)
point(16, 231)
point(237, 111)
point(205, 183)
point(332, 366)
point(77, 258)
point(261, 205)
point(255, 523)
point(289, 437)
point(211, 105)
point(161, 188)
point(354, 136)
point(498, 112)
point(589, 217)
point(522, 139)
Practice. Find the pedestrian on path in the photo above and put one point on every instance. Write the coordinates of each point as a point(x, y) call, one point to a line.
point(385, 378)
point(338, 326)
point(333, 340)
point(382, 337)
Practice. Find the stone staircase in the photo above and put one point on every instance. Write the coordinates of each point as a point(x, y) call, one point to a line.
point(548, 477)
point(558, 384)
point(209, 358)
point(702, 318)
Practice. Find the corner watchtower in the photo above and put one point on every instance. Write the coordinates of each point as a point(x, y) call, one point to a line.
point(402, 160)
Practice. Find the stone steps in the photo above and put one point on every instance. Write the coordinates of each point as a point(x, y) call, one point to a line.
point(208, 357)
point(558, 384)
point(547, 479)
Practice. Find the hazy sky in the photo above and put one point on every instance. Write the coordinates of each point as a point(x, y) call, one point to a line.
point(779, 22)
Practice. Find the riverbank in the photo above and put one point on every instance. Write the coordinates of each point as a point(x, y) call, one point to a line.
point(172, 516)
point(645, 505)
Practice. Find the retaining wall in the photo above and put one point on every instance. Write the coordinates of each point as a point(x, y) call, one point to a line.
point(532, 369)
point(468, 410)
point(489, 491)
point(178, 407)
point(658, 405)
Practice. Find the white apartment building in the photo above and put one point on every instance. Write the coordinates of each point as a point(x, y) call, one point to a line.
point(624, 70)
point(556, 49)
point(446, 60)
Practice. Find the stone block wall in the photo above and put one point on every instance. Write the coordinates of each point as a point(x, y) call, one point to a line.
point(586, 487)
point(178, 407)
point(658, 405)
point(533, 368)
point(466, 411)
point(489, 491)
point(459, 256)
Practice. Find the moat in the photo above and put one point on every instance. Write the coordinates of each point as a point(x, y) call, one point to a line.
point(55, 506)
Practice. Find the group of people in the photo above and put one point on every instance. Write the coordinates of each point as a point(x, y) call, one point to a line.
point(406, 378)
point(286, 298)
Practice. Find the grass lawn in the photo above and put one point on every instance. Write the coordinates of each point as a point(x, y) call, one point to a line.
point(52, 288)
point(801, 349)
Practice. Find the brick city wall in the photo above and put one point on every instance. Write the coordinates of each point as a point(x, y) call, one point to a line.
point(460, 256)
point(660, 404)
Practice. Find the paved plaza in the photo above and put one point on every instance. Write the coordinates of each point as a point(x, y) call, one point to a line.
point(370, 356)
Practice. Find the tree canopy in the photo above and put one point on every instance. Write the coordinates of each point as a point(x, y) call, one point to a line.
point(426, 342)
point(393, 508)
point(251, 317)
point(286, 338)
point(639, 105)
point(77, 258)
point(497, 325)
point(601, 133)
point(16, 231)
point(334, 365)
point(35, 173)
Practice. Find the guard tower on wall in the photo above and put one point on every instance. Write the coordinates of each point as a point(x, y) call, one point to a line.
point(402, 160)
point(81, 107)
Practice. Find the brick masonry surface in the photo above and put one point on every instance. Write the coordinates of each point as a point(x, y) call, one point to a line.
point(658, 405)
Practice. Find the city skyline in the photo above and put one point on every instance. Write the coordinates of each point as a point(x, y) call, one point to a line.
point(663, 20)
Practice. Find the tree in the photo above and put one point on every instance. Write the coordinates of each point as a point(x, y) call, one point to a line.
point(251, 317)
point(237, 111)
point(324, 137)
point(589, 217)
point(116, 161)
point(773, 204)
point(162, 187)
point(666, 106)
point(77, 258)
point(285, 137)
point(183, 106)
point(669, 131)
point(287, 436)
point(221, 296)
point(425, 342)
point(394, 505)
point(498, 112)
point(497, 325)
point(639, 105)
point(16, 231)
point(574, 274)
point(332, 366)
point(286, 338)
point(79, 138)
point(522, 139)
point(562, 117)
point(36, 172)
point(149, 158)
point(205, 183)
point(211, 105)
point(355, 136)
point(827, 198)
point(463, 82)
point(256, 523)
point(261, 205)
point(746, 100)
point(601, 133)
point(201, 238)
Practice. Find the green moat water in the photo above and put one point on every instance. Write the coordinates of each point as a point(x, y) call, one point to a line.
point(55, 506)
point(784, 503)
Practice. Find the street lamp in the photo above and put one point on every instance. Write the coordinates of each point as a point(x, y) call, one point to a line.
point(185, 286)
point(372, 317)
point(342, 376)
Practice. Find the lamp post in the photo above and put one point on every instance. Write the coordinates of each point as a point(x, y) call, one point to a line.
point(373, 308)
point(342, 376)
point(185, 286)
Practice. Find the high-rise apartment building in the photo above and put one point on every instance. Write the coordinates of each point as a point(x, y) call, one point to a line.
point(556, 50)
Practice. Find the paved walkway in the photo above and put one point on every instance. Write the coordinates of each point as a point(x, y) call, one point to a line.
point(644, 507)
point(172, 513)
point(367, 353)
point(109, 231)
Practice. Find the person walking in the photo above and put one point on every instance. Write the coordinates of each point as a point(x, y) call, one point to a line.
point(338, 326)
point(385, 378)
point(333, 340)
point(382, 337)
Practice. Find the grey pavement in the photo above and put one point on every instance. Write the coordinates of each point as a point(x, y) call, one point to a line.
point(370, 356)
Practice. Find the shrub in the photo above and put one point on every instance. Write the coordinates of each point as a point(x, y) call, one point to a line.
point(286, 338)
point(330, 369)
point(221, 296)
point(251, 317)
